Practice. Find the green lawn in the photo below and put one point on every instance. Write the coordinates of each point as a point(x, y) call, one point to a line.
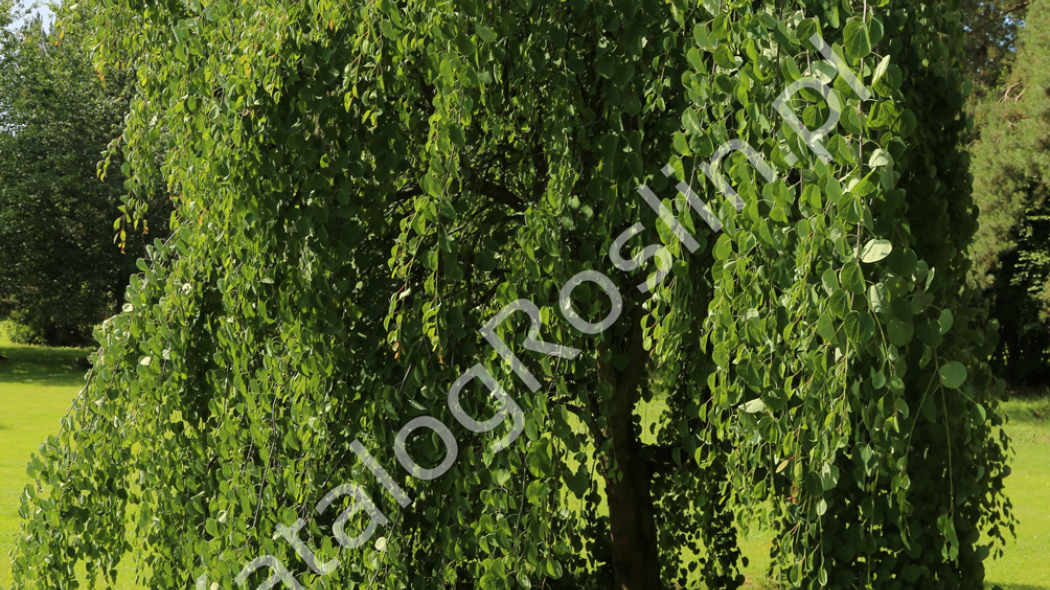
point(37, 386)
point(1026, 565)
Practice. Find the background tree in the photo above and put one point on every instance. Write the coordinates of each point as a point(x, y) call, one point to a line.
point(5, 13)
point(989, 44)
point(363, 189)
point(1011, 169)
point(62, 268)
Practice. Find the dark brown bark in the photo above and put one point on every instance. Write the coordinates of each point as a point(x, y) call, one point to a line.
point(636, 564)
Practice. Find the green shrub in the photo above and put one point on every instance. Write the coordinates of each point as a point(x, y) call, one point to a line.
point(21, 333)
point(22, 330)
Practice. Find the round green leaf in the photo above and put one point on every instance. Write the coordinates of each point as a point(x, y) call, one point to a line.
point(880, 157)
point(900, 331)
point(856, 39)
point(486, 33)
point(953, 374)
point(692, 122)
point(853, 278)
point(876, 250)
point(946, 321)
point(553, 568)
point(754, 406)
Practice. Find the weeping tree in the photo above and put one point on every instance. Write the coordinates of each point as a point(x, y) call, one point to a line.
point(522, 294)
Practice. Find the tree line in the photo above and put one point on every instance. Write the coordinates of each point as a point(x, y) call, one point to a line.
point(65, 256)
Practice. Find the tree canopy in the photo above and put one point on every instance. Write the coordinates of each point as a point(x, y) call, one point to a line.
point(63, 269)
point(537, 295)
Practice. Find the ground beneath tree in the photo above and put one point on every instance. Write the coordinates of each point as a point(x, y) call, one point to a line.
point(37, 386)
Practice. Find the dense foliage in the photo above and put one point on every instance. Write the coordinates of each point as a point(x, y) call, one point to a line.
point(393, 216)
point(1011, 169)
point(990, 39)
point(59, 264)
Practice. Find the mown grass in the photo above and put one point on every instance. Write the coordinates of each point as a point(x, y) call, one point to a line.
point(1026, 564)
point(37, 386)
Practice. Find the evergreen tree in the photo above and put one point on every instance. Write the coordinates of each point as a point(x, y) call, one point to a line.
point(1011, 170)
point(990, 39)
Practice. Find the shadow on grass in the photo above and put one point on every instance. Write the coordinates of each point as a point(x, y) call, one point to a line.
point(42, 366)
point(1029, 412)
point(764, 584)
point(1035, 401)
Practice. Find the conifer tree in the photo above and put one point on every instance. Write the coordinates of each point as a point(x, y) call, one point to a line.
point(1011, 177)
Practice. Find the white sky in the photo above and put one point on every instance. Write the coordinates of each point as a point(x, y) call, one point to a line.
point(43, 11)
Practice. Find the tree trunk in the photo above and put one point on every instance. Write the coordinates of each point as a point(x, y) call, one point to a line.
point(636, 563)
